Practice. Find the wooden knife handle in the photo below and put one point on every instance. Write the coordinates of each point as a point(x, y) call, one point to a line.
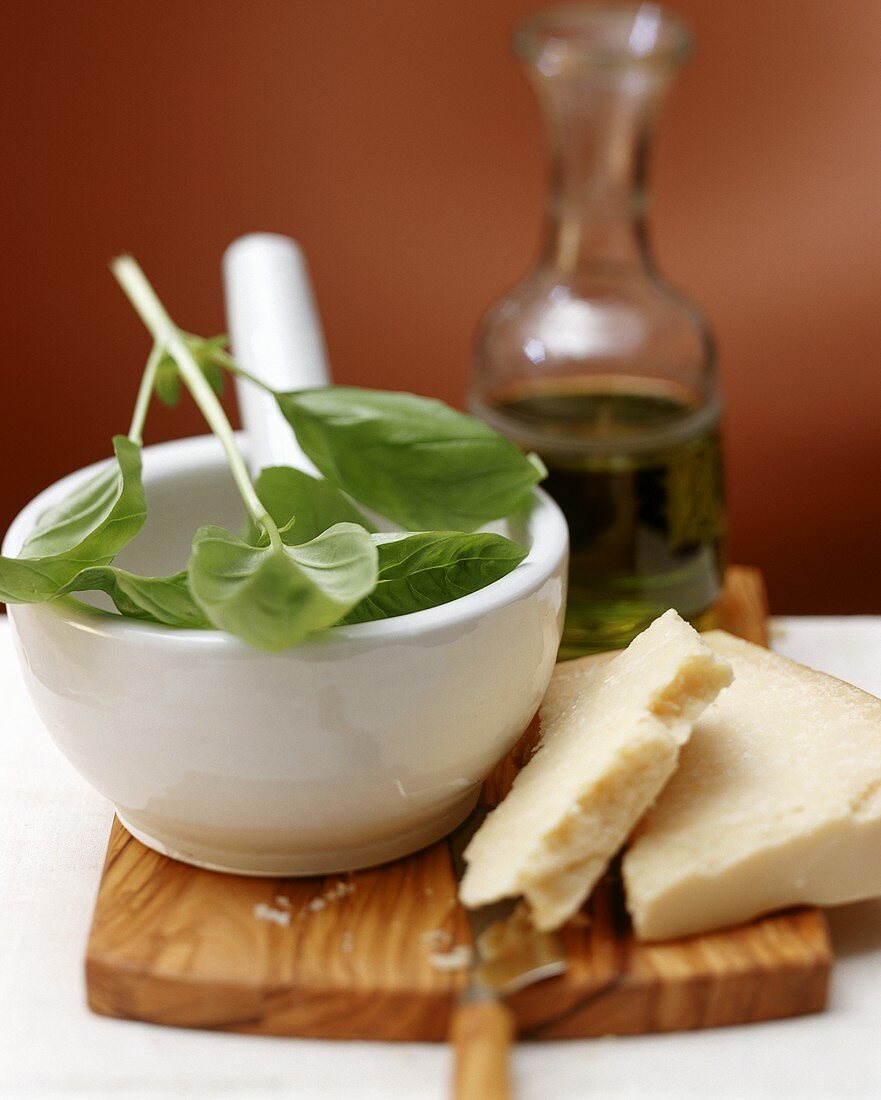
point(481, 1034)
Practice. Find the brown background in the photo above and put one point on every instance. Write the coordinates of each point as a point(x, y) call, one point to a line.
point(400, 143)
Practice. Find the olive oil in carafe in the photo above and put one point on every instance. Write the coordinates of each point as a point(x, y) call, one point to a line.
point(638, 474)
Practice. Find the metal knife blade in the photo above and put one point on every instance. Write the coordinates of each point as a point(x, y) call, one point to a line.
point(509, 953)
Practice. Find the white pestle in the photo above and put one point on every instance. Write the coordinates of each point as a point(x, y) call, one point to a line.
point(275, 334)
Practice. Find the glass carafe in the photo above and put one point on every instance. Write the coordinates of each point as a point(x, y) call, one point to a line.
point(592, 360)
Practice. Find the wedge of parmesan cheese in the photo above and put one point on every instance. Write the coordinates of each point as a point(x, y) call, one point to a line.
point(776, 802)
point(611, 734)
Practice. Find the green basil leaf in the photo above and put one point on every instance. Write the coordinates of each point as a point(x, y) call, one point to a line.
point(165, 600)
point(214, 376)
point(313, 503)
point(410, 458)
point(431, 568)
point(273, 597)
point(89, 527)
point(167, 385)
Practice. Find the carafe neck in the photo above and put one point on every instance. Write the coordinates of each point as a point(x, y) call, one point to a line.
point(601, 85)
point(597, 198)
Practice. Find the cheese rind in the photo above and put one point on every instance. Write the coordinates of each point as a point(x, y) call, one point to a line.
point(611, 734)
point(776, 802)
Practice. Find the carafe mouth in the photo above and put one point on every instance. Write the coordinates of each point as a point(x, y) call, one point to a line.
point(609, 35)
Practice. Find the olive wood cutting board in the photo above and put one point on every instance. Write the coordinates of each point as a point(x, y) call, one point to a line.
point(369, 955)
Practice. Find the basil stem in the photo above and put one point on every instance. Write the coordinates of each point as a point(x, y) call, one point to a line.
point(168, 336)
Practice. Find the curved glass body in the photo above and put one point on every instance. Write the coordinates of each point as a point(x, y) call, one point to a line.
point(593, 360)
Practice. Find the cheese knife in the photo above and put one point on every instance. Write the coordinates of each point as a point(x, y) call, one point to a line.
point(508, 954)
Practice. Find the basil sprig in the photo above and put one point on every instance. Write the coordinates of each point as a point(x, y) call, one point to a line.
point(308, 557)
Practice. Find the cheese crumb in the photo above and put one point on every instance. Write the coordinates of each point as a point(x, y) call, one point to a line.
point(262, 911)
point(437, 939)
point(457, 958)
point(339, 890)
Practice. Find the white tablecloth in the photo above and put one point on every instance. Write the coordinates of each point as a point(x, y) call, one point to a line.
point(53, 829)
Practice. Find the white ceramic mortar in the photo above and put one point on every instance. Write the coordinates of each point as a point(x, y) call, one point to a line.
point(357, 747)
point(360, 746)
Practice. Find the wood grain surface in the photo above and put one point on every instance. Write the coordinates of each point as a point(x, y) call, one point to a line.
point(367, 955)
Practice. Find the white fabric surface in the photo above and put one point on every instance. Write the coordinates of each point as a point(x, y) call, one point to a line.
point(53, 829)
